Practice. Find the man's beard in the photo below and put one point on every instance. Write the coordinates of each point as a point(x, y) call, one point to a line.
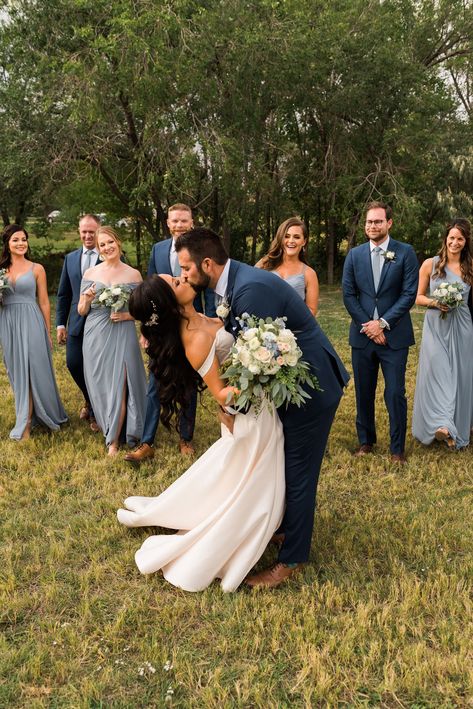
point(203, 283)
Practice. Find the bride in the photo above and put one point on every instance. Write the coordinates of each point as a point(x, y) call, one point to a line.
point(229, 503)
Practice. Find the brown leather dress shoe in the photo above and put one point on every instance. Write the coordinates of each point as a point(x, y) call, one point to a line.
point(365, 449)
point(141, 452)
point(186, 447)
point(398, 458)
point(270, 578)
point(93, 425)
point(84, 413)
point(277, 539)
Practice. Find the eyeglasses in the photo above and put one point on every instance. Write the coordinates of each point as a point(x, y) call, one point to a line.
point(374, 222)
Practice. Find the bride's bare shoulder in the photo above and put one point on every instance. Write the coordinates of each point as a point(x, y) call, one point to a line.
point(197, 344)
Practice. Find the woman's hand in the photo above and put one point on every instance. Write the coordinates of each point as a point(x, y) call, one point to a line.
point(227, 419)
point(120, 317)
point(227, 395)
point(440, 306)
point(90, 293)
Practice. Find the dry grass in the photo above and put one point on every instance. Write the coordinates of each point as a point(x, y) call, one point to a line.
point(381, 616)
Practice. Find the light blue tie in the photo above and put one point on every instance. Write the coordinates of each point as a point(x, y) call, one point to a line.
point(87, 260)
point(376, 266)
point(176, 269)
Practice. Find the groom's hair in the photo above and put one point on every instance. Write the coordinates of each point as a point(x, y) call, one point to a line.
point(202, 243)
point(380, 205)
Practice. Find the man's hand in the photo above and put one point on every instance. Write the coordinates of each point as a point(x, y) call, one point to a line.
point(372, 329)
point(61, 335)
point(380, 339)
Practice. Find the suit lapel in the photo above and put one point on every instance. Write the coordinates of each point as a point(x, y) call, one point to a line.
point(369, 266)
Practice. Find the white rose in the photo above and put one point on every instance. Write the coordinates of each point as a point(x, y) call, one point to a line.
point(262, 355)
point(254, 343)
point(284, 346)
point(244, 357)
point(254, 368)
point(116, 291)
point(249, 334)
point(285, 336)
point(103, 296)
point(222, 311)
point(291, 359)
point(459, 296)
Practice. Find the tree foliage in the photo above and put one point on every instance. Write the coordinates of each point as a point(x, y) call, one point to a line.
point(249, 112)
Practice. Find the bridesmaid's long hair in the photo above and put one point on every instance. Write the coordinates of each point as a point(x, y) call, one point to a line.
point(154, 304)
point(275, 255)
point(466, 257)
point(5, 258)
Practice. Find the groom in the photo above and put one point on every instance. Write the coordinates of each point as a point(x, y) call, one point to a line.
point(204, 262)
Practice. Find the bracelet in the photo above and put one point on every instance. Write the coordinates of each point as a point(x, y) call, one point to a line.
point(431, 304)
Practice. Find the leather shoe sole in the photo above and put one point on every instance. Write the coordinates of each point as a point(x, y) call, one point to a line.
point(84, 413)
point(398, 458)
point(94, 426)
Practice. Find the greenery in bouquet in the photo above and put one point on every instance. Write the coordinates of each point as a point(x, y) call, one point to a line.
point(265, 365)
point(449, 294)
point(4, 283)
point(114, 297)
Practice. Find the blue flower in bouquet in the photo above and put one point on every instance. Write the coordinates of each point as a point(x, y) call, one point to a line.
point(265, 365)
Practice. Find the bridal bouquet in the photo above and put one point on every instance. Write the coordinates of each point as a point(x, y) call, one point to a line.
point(114, 297)
point(265, 364)
point(4, 283)
point(449, 294)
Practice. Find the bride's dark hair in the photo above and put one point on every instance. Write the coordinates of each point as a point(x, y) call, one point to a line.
point(154, 304)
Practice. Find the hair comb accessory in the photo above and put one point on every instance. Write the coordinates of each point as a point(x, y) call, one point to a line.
point(154, 319)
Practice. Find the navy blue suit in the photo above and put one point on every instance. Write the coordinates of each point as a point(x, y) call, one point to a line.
point(160, 262)
point(66, 314)
point(306, 429)
point(394, 297)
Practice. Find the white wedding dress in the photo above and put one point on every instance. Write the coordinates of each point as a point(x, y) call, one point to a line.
point(227, 505)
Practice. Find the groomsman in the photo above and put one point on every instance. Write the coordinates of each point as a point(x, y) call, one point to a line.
point(163, 259)
point(379, 283)
point(70, 325)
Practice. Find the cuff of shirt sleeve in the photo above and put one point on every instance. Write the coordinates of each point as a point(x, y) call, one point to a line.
point(386, 324)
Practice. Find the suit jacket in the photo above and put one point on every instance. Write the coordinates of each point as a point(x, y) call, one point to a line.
point(470, 302)
point(160, 262)
point(395, 296)
point(262, 293)
point(68, 294)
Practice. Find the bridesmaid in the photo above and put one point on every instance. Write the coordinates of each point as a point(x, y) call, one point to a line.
point(113, 366)
point(25, 338)
point(443, 400)
point(286, 258)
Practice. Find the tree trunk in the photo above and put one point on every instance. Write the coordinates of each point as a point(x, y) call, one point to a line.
point(254, 235)
point(331, 241)
point(352, 230)
point(138, 243)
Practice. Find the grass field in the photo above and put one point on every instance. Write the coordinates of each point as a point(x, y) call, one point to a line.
point(380, 617)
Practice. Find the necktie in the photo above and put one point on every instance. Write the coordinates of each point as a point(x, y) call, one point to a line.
point(218, 299)
point(176, 269)
point(376, 266)
point(87, 260)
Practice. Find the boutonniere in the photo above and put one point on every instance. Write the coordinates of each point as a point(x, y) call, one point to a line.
point(389, 256)
point(223, 309)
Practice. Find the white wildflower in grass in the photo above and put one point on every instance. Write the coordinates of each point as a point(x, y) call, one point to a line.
point(167, 666)
point(449, 294)
point(113, 297)
point(5, 285)
point(265, 365)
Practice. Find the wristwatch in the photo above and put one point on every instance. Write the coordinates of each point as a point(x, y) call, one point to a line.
point(382, 323)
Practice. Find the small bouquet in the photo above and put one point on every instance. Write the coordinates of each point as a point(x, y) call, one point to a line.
point(4, 283)
point(113, 297)
point(265, 364)
point(449, 294)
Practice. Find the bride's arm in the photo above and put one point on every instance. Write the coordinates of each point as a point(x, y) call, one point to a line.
point(197, 349)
